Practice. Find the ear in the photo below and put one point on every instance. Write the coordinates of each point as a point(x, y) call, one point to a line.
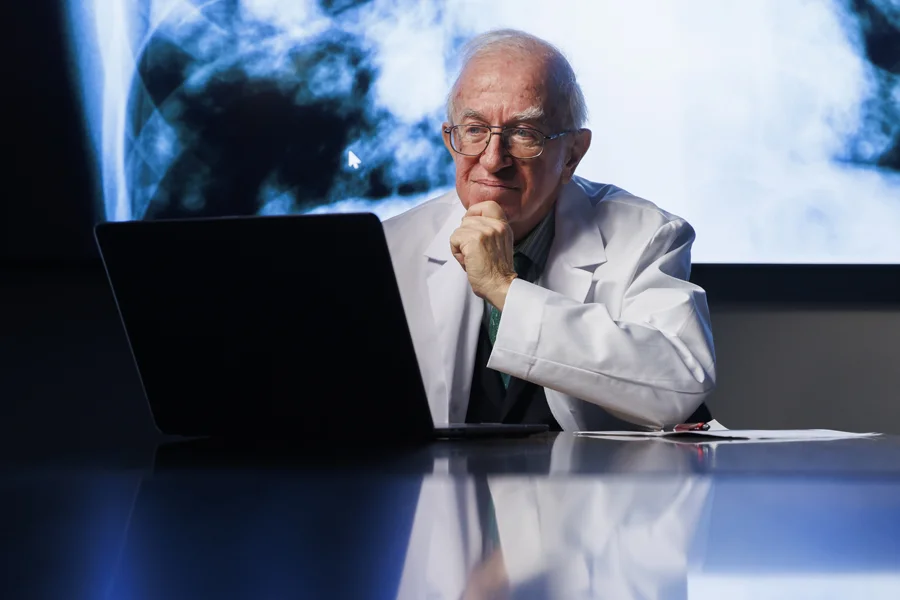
point(575, 153)
point(444, 127)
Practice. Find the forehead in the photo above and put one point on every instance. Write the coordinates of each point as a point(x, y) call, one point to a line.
point(500, 85)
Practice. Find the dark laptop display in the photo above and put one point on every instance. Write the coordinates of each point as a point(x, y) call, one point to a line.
point(275, 324)
point(271, 326)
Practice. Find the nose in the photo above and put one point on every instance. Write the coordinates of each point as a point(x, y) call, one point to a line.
point(495, 157)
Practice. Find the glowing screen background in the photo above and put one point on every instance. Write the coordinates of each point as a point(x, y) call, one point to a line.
point(772, 125)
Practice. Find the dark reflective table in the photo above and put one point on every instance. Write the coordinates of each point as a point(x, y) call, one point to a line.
point(542, 517)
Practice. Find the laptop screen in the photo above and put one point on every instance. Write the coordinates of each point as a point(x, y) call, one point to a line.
point(267, 323)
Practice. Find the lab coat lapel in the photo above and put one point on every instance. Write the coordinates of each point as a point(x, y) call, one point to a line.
point(457, 313)
point(578, 246)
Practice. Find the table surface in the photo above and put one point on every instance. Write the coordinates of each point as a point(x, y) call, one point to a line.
point(542, 517)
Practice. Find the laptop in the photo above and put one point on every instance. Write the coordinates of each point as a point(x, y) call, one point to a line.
point(282, 327)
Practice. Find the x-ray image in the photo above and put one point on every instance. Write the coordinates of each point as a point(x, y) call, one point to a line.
point(773, 126)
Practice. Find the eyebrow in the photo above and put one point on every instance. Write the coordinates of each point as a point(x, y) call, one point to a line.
point(535, 113)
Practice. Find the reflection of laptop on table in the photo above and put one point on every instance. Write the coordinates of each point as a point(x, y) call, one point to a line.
point(273, 327)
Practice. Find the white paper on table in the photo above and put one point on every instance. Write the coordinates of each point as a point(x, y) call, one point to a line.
point(745, 435)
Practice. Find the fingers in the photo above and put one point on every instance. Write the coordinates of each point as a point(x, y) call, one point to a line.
point(485, 225)
point(464, 236)
point(457, 239)
point(474, 229)
point(489, 233)
point(488, 208)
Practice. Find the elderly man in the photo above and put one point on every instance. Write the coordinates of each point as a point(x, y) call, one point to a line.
point(533, 295)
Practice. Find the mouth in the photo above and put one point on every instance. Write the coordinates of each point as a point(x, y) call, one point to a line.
point(495, 184)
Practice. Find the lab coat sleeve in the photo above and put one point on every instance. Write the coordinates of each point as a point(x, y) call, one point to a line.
point(651, 365)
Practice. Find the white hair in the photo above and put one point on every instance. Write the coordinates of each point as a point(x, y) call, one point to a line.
point(563, 86)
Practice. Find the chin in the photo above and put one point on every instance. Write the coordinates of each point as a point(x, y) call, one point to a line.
point(503, 196)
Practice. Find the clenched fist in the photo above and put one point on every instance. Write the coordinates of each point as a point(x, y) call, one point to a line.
point(483, 246)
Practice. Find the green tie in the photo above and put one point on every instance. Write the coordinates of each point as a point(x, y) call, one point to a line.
point(521, 264)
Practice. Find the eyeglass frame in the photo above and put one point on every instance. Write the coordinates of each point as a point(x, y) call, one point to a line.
point(502, 128)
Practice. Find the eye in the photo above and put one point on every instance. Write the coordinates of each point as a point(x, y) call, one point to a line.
point(474, 130)
point(525, 135)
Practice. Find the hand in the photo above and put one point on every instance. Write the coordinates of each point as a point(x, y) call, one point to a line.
point(483, 246)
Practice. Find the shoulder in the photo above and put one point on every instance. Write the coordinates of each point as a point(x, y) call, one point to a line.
point(619, 212)
point(410, 234)
point(608, 199)
point(422, 219)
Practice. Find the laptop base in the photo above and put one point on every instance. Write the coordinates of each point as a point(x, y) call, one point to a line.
point(487, 430)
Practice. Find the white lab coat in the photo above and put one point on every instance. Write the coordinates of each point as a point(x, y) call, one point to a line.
point(612, 330)
point(628, 536)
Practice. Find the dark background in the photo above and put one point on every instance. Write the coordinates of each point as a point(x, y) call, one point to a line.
point(797, 346)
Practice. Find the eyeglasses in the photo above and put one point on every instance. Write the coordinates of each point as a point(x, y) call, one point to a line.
point(519, 142)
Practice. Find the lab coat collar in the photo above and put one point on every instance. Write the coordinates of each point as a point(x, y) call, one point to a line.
point(577, 239)
point(439, 248)
point(578, 246)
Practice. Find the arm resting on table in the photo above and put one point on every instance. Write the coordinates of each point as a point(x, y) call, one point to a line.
point(653, 365)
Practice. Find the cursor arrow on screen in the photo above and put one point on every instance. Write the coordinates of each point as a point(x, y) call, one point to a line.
point(353, 160)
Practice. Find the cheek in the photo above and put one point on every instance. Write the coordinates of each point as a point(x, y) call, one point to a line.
point(463, 167)
point(463, 187)
point(462, 170)
point(540, 181)
point(534, 178)
point(544, 176)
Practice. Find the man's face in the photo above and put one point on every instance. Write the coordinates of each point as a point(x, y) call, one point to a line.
point(508, 91)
